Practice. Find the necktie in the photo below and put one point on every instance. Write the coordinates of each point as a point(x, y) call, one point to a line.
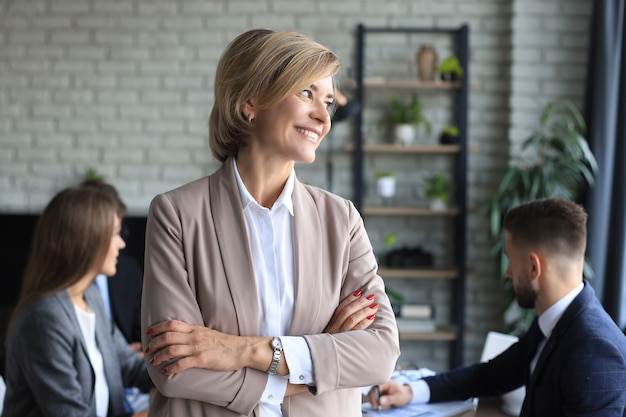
point(535, 338)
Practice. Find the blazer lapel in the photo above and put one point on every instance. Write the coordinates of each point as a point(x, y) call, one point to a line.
point(307, 235)
point(234, 247)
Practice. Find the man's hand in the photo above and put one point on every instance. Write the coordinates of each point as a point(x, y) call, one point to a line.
point(391, 394)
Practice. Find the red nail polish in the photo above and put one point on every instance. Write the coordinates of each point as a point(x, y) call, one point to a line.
point(370, 297)
point(147, 350)
point(150, 331)
point(373, 306)
point(371, 317)
point(151, 361)
point(164, 371)
point(357, 293)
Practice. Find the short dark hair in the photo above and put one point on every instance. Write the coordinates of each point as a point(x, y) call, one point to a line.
point(556, 224)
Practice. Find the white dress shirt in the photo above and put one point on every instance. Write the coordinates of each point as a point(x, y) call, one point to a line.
point(87, 323)
point(271, 245)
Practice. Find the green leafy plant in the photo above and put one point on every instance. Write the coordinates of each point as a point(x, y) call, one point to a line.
point(450, 68)
point(400, 112)
point(383, 174)
point(390, 240)
point(437, 186)
point(449, 135)
point(558, 163)
point(92, 174)
point(450, 131)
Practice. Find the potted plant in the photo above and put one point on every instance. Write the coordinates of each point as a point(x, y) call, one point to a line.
point(449, 135)
point(405, 118)
point(450, 69)
point(437, 189)
point(385, 184)
point(559, 163)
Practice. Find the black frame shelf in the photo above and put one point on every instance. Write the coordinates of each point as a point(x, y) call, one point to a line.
point(458, 152)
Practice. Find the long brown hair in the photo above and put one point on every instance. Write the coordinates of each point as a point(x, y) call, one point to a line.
point(72, 235)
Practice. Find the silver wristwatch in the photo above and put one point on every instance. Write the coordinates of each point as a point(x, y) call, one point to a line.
point(278, 349)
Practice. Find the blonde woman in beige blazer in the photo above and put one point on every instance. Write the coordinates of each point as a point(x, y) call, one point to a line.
point(230, 255)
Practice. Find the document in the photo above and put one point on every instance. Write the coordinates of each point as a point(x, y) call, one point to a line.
point(447, 409)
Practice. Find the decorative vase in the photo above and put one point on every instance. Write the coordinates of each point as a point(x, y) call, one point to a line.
point(426, 63)
point(404, 133)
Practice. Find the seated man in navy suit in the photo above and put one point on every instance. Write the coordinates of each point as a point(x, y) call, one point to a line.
point(572, 360)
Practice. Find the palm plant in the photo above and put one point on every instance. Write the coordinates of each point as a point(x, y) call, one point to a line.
point(562, 166)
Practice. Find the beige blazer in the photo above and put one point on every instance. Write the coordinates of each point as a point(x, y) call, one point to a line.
point(198, 269)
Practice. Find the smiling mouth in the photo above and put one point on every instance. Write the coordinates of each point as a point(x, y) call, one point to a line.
point(309, 133)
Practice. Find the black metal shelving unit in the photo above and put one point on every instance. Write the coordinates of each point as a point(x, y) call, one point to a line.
point(460, 90)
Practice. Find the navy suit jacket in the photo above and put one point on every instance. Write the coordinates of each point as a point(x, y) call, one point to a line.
point(581, 370)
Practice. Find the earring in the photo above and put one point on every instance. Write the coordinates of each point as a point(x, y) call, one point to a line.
point(249, 119)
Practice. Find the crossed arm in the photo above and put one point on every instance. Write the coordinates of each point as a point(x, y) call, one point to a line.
point(183, 346)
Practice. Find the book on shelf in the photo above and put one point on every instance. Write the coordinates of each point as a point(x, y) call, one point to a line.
point(417, 311)
point(415, 325)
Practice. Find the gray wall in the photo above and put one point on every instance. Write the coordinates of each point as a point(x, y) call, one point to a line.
point(125, 87)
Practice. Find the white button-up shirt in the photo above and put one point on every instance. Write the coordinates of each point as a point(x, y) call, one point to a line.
point(271, 244)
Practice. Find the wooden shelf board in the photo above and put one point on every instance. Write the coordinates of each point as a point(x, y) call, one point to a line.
point(391, 148)
point(407, 211)
point(426, 273)
point(443, 333)
point(417, 84)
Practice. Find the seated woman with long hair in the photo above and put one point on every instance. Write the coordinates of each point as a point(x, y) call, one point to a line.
point(64, 357)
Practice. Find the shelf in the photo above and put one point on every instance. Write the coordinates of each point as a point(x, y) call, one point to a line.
point(427, 273)
point(408, 211)
point(380, 154)
point(443, 333)
point(415, 84)
point(390, 148)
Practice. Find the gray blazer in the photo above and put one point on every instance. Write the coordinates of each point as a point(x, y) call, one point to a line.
point(198, 269)
point(48, 372)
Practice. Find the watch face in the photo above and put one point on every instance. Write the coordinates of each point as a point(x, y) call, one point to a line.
point(276, 344)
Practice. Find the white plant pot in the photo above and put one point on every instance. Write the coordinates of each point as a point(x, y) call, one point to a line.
point(437, 204)
point(404, 134)
point(386, 187)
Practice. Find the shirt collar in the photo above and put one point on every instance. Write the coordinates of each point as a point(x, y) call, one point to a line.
point(548, 320)
point(285, 198)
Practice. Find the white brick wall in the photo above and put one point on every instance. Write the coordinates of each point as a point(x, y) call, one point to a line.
point(125, 86)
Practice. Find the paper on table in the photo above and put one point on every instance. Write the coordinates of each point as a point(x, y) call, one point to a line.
point(446, 409)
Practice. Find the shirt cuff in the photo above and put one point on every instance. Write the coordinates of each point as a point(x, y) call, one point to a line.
point(421, 391)
point(298, 357)
point(275, 389)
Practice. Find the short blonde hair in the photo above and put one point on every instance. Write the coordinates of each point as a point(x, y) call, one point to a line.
point(266, 65)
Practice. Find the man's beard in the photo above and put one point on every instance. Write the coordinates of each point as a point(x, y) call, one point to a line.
point(525, 293)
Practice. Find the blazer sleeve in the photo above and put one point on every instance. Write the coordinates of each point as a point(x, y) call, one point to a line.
point(168, 293)
point(344, 360)
point(500, 375)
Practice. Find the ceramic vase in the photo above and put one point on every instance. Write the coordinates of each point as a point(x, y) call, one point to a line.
point(426, 63)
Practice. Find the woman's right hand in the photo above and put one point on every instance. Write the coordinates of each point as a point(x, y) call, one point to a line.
point(355, 312)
